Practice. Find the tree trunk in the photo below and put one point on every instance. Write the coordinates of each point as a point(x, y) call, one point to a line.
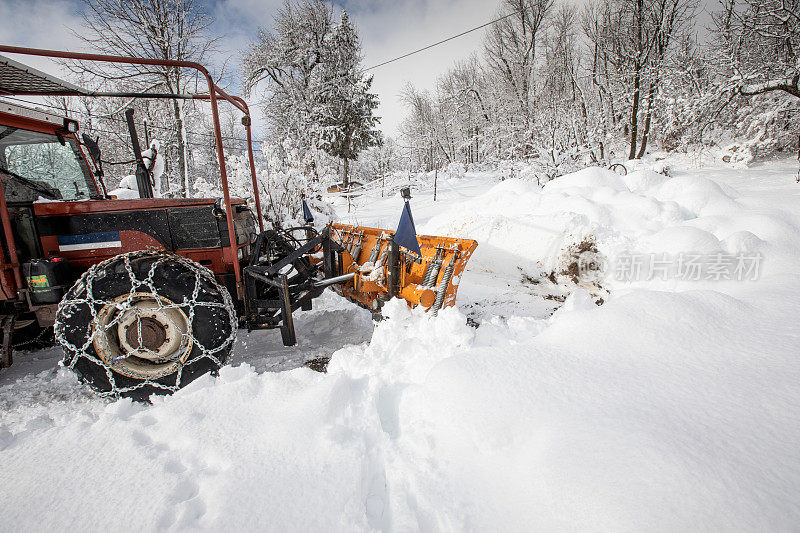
point(650, 97)
point(181, 149)
point(477, 146)
point(345, 177)
point(635, 113)
point(637, 74)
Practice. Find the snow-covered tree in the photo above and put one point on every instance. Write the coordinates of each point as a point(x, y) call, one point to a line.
point(379, 161)
point(632, 40)
point(506, 104)
point(318, 103)
point(345, 113)
point(758, 44)
point(510, 52)
point(290, 59)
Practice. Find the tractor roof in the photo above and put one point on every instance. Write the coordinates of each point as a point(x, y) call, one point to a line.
point(16, 78)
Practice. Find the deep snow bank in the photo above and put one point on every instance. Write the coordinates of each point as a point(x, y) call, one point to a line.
point(672, 406)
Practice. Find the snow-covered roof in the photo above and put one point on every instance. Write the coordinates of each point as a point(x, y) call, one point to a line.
point(16, 78)
point(29, 112)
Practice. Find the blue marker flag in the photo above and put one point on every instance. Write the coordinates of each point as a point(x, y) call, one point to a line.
point(406, 234)
point(307, 216)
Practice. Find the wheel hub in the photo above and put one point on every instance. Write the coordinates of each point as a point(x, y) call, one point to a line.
point(153, 334)
point(143, 335)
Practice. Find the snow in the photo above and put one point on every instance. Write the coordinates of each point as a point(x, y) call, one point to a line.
point(671, 406)
point(128, 188)
point(158, 165)
point(43, 200)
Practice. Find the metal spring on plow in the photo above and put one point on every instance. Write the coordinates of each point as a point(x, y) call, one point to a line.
point(373, 255)
point(382, 260)
point(348, 245)
point(442, 291)
point(355, 249)
point(433, 269)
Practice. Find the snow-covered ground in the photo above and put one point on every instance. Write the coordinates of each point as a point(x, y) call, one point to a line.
point(650, 400)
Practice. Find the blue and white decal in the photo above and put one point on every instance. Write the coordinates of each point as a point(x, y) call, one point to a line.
point(89, 241)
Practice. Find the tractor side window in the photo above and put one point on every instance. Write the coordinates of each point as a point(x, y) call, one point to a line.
point(41, 167)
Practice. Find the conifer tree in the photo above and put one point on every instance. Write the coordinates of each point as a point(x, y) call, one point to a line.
point(346, 114)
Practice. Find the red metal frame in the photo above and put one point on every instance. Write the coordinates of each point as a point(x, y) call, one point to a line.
point(214, 93)
point(246, 122)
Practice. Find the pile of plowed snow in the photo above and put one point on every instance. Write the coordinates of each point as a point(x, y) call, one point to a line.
point(671, 406)
point(643, 213)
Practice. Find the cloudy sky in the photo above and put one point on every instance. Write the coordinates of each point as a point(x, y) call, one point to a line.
point(388, 28)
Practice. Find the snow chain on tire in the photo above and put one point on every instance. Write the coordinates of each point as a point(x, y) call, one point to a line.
point(185, 295)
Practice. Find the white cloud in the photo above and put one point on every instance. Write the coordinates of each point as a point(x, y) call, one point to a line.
point(40, 24)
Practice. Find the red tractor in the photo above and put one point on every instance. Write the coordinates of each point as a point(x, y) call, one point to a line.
point(147, 294)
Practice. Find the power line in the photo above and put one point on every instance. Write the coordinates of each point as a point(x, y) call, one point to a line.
point(476, 28)
point(112, 119)
point(108, 132)
point(192, 143)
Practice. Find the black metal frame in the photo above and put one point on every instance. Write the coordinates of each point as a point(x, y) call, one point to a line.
point(271, 295)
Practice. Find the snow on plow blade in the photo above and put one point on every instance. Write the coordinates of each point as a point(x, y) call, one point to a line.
point(382, 269)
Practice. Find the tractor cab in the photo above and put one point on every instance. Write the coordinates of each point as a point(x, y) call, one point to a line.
point(43, 166)
point(41, 161)
point(58, 209)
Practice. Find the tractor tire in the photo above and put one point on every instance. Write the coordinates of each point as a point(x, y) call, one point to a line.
point(145, 323)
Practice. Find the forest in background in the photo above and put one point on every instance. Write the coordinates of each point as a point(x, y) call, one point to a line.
point(554, 86)
point(563, 87)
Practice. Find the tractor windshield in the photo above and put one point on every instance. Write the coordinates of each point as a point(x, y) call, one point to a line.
point(38, 166)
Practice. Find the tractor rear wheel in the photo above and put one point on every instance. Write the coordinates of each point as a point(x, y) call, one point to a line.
point(145, 323)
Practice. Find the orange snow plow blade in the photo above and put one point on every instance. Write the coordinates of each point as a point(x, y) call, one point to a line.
point(430, 281)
